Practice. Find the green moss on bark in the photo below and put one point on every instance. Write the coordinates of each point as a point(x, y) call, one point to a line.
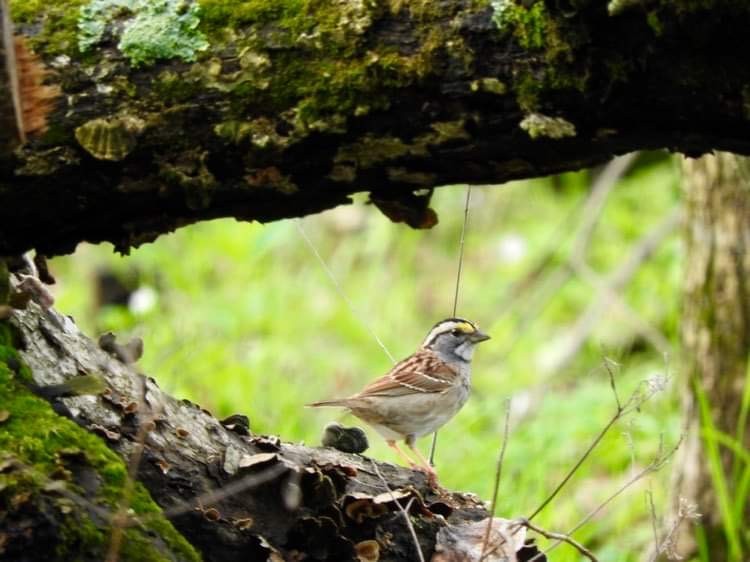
point(307, 56)
point(43, 456)
point(310, 63)
point(528, 23)
point(538, 29)
point(58, 32)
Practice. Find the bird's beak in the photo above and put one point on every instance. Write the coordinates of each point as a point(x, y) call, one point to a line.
point(479, 336)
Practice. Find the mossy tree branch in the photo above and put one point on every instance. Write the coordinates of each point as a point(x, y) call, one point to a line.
point(176, 111)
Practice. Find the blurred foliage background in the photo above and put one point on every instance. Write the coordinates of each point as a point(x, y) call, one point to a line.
point(241, 318)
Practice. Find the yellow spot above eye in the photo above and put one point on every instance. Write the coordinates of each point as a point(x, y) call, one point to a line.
point(465, 327)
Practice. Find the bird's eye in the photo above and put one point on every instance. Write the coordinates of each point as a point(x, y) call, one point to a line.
point(456, 333)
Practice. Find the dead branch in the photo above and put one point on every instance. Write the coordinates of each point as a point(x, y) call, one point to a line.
point(561, 537)
point(659, 461)
point(643, 393)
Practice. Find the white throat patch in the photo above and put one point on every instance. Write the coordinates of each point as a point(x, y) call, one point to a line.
point(465, 351)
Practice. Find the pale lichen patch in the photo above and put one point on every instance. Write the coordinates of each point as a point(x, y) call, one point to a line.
point(617, 7)
point(538, 125)
point(355, 16)
point(489, 85)
point(152, 29)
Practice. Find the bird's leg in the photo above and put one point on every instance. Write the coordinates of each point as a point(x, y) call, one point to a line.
point(423, 464)
point(392, 444)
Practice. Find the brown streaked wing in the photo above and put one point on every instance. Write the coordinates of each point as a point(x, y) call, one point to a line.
point(421, 372)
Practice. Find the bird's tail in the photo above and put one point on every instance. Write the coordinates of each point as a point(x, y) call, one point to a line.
point(340, 403)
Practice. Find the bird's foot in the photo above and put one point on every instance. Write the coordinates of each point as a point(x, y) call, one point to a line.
point(432, 479)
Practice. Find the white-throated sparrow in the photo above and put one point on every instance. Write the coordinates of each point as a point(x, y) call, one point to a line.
point(422, 392)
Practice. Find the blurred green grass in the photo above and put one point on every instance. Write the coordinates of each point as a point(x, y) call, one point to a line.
point(245, 320)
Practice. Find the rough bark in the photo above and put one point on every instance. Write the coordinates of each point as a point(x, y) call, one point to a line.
point(261, 110)
point(715, 334)
point(234, 495)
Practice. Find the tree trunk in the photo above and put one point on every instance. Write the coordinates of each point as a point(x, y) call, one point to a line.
point(145, 116)
point(716, 342)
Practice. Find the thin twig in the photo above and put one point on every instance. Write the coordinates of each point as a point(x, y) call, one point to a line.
point(559, 537)
point(120, 518)
point(577, 465)
point(612, 383)
point(655, 465)
point(433, 446)
point(652, 514)
point(340, 290)
point(507, 539)
point(644, 391)
point(631, 448)
point(496, 487)
point(685, 511)
point(404, 511)
point(461, 248)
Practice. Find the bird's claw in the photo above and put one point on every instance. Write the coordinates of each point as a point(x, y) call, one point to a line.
point(432, 479)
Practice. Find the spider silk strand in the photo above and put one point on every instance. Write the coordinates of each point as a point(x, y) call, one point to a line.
point(354, 312)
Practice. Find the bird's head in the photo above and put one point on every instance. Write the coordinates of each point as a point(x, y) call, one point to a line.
point(454, 337)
